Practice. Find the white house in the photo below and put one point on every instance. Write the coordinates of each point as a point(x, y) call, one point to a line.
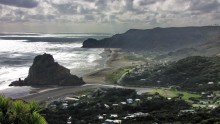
point(65, 105)
point(123, 103)
point(130, 101)
point(113, 115)
point(100, 117)
point(106, 106)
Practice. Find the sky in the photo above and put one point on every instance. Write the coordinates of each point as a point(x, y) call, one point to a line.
point(104, 16)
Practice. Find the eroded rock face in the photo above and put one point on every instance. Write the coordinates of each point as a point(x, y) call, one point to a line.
point(45, 71)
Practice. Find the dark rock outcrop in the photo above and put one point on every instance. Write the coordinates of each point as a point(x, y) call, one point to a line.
point(157, 39)
point(45, 71)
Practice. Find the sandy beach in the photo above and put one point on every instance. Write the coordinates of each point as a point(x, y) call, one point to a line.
point(95, 79)
point(115, 61)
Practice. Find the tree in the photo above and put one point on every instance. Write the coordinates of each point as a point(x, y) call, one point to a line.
point(19, 112)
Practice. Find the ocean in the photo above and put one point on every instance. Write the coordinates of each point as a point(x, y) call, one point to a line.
point(17, 52)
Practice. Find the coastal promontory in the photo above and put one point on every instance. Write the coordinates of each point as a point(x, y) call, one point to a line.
point(45, 71)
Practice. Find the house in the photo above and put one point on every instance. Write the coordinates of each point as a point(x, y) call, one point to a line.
point(142, 79)
point(114, 105)
point(203, 102)
point(71, 99)
point(53, 106)
point(137, 100)
point(75, 104)
point(100, 117)
point(210, 83)
point(69, 120)
point(212, 106)
point(130, 101)
point(108, 121)
point(123, 103)
point(187, 111)
point(149, 98)
point(64, 105)
point(141, 114)
point(113, 115)
point(117, 121)
point(210, 96)
point(203, 93)
point(106, 106)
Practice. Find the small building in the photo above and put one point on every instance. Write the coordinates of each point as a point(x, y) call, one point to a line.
point(53, 106)
point(203, 93)
point(129, 101)
point(117, 121)
point(100, 117)
point(149, 98)
point(203, 102)
point(210, 83)
point(187, 111)
point(108, 121)
point(69, 120)
point(123, 103)
point(106, 106)
point(113, 115)
point(142, 79)
point(141, 114)
point(212, 106)
point(114, 105)
point(64, 105)
point(137, 100)
point(71, 99)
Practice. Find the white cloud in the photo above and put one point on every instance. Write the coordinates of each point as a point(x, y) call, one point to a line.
point(144, 12)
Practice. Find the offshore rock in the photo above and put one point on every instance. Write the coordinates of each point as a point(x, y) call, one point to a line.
point(45, 71)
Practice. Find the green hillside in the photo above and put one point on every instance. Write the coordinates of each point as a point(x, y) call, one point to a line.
point(192, 73)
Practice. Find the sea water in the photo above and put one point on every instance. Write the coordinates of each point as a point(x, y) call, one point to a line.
point(17, 52)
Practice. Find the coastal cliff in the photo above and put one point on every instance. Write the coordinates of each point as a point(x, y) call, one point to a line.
point(157, 39)
point(45, 71)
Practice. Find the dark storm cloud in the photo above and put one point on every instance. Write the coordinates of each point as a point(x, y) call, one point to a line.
point(20, 3)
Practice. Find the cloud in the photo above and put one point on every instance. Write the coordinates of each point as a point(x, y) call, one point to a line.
point(20, 3)
point(145, 13)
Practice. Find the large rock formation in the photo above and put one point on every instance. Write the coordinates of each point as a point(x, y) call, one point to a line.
point(157, 39)
point(45, 71)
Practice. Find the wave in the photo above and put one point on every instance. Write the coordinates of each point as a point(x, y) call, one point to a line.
point(17, 54)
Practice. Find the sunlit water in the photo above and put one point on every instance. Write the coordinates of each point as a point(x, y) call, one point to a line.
point(16, 56)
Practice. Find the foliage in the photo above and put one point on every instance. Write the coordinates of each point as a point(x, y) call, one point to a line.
point(19, 112)
point(115, 75)
point(169, 93)
point(192, 73)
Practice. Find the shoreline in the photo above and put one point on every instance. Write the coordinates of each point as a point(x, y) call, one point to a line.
point(96, 79)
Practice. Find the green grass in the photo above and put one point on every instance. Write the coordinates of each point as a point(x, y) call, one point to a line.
point(173, 93)
point(115, 75)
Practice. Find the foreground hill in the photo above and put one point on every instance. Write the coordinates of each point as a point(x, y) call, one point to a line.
point(157, 39)
point(45, 71)
point(192, 73)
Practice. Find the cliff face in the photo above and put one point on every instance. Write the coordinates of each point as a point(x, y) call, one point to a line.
point(45, 71)
point(157, 39)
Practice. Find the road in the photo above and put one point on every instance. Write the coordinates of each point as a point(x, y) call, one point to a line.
point(62, 91)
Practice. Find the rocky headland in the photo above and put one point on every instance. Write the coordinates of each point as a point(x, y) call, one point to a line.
point(45, 71)
point(157, 39)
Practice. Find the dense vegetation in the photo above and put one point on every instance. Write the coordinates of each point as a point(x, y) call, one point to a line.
point(19, 112)
point(192, 73)
point(159, 109)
